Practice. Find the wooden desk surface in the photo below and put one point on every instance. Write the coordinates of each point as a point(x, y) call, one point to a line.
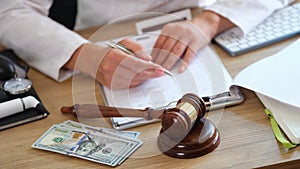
point(247, 139)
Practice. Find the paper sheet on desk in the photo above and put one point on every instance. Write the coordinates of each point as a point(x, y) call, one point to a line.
point(276, 81)
point(197, 78)
point(277, 76)
point(205, 76)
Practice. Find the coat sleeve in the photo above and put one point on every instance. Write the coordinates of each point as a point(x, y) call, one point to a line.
point(41, 42)
point(246, 14)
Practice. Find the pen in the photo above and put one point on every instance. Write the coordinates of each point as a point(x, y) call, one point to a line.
point(115, 45)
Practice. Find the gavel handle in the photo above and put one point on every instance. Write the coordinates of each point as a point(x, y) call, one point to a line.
point(98, 111)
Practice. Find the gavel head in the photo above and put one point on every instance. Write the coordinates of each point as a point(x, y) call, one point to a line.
point(177, 122)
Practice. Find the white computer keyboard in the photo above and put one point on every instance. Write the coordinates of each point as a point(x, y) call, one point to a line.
point(282, 24)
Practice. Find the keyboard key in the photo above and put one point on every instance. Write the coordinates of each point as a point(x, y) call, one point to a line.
point(281, 25)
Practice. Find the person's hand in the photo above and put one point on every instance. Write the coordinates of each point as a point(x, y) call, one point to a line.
point(114, 68)
point(182, 40)
point(119, 70)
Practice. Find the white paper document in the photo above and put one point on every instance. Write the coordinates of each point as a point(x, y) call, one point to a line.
point(276, 80)
point(277, 76)
point(205, 76)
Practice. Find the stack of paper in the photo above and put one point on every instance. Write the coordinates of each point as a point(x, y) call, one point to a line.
point(276, 81)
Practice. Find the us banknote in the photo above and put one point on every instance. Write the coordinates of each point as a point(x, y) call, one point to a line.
point(74, 124)
point(88, 143)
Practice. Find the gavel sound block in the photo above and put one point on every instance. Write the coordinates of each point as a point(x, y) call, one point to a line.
point(185, 133)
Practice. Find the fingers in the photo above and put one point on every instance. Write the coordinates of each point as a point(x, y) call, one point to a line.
point(170, 52)
point(136, 78)
point(165, 50)
point(157, 46)
point(120, 70)
point(139, 70)
point(188, 56)
point(176, 53)
point(179, 40)
point(136, 48)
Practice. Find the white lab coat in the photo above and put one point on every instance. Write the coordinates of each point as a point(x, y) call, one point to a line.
point(47, 45)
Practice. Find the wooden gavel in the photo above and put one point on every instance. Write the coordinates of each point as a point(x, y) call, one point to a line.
point(176, 123)
point(181, 118)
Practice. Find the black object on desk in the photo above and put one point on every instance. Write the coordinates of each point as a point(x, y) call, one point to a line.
point(29, 114)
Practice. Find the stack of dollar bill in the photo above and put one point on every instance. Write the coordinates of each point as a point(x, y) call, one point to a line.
point(101, 145)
